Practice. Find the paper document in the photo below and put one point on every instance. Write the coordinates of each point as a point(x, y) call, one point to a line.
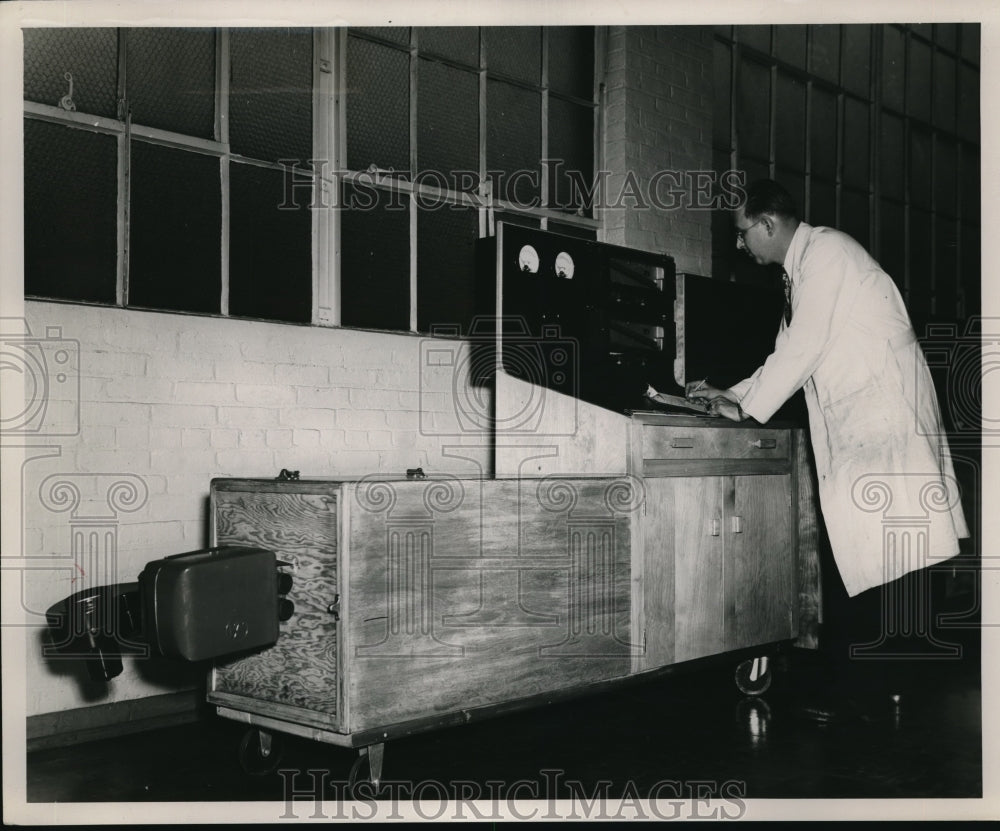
point(676, 401)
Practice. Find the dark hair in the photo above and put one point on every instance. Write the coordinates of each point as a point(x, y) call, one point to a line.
point(765, 196)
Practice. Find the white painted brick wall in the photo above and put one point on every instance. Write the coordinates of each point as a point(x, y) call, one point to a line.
point(659, 117)
point(176, 400)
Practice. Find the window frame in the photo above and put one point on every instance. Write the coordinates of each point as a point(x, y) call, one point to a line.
point(329, 147)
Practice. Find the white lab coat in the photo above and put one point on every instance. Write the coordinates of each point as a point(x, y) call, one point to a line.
point(887, 487)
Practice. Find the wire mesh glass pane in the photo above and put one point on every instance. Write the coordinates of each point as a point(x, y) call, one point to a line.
point(572, 230)
point(754, 169)
point(790, 115)
point(945, 266)
point(971, 183)
point(945, 176)
point(374, 260)
point(396, 34)
point(457, 43)
point(920, 168)
point(722, 99)
point(571, 60)
point(70, 213)
point(513, 141)
point(790, 44)
point(514, 51)
point(89, 55)
point(378, 106)
point(918, 298)
point(175, 230)
point(448, 125)
point(944, 91)
point(892, 243)
point(893, 67)
point(857, 59)
point(170, 79)
point(571, 156)
point(969, 36)
point(823, 134)
point(971, 265)
point(759, 37)
point(856, 146)
point(446, 268)
point(517, 219)
point(822, 203)
point(753, 106)
point(270, 93)
point(795, 183)
point(854, 215)
point(968, 103)
point(891, 160)
point(824, 59)
point(918, 82)
point(270, 247)
point(946, 35)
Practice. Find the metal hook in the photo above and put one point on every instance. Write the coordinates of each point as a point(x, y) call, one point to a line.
point(66, 102)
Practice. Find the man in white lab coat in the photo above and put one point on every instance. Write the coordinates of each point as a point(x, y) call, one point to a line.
point(887, 487)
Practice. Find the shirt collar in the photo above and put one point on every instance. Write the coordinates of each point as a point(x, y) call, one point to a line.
point(795, 250)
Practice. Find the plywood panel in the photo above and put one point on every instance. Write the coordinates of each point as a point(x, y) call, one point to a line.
point(659, 527)
point(541, 432)
point(698, 579)
point(466, 593)
point(760, 561)
point(300, 670)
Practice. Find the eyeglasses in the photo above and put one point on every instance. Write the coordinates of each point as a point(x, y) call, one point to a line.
point(741, 231)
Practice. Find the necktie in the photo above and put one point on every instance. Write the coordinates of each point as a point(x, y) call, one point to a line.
point(788, 296)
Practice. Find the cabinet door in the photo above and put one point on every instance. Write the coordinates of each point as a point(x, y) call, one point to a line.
point(698, 578)
point(759, 560)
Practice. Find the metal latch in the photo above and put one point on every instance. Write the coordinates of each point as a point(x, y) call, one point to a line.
point(288, 475)
point(764, 444)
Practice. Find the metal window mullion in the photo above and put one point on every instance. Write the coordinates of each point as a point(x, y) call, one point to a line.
point(485, 187)
point(544, 159)
point(907, 160)
point(222, 67)
point(414, 70)
point(327, 77)
point(124, 175)
point(772, 124)
point(600, 122)
point(875, 91)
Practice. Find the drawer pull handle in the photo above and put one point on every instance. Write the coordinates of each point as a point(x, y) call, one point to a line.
point(716, 527)
point(737, 524)
point(764, 444)
point(681, 443)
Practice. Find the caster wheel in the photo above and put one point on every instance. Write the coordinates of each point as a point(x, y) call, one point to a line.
point(260, 752)
point(360, 775)
point(753, 676)
point(365, 778)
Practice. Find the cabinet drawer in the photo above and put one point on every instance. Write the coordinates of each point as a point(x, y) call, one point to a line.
point(661, 441)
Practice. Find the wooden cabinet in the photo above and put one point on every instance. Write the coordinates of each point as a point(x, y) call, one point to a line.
point(426, 599)
point(719, 536)
point(420, 603)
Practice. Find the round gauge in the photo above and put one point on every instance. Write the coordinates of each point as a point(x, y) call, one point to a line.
point(564, 265)
point(527, 260)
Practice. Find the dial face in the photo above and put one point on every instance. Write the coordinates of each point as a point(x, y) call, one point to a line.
point(564, 265)
point(527, 260)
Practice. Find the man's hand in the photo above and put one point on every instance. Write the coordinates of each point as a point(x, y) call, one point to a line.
point(724, 407)
point(699, 390)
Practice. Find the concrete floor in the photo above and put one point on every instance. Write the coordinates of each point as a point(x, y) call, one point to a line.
point(823, 730)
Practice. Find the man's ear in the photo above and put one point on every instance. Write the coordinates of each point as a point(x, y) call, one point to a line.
point(768, 222)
